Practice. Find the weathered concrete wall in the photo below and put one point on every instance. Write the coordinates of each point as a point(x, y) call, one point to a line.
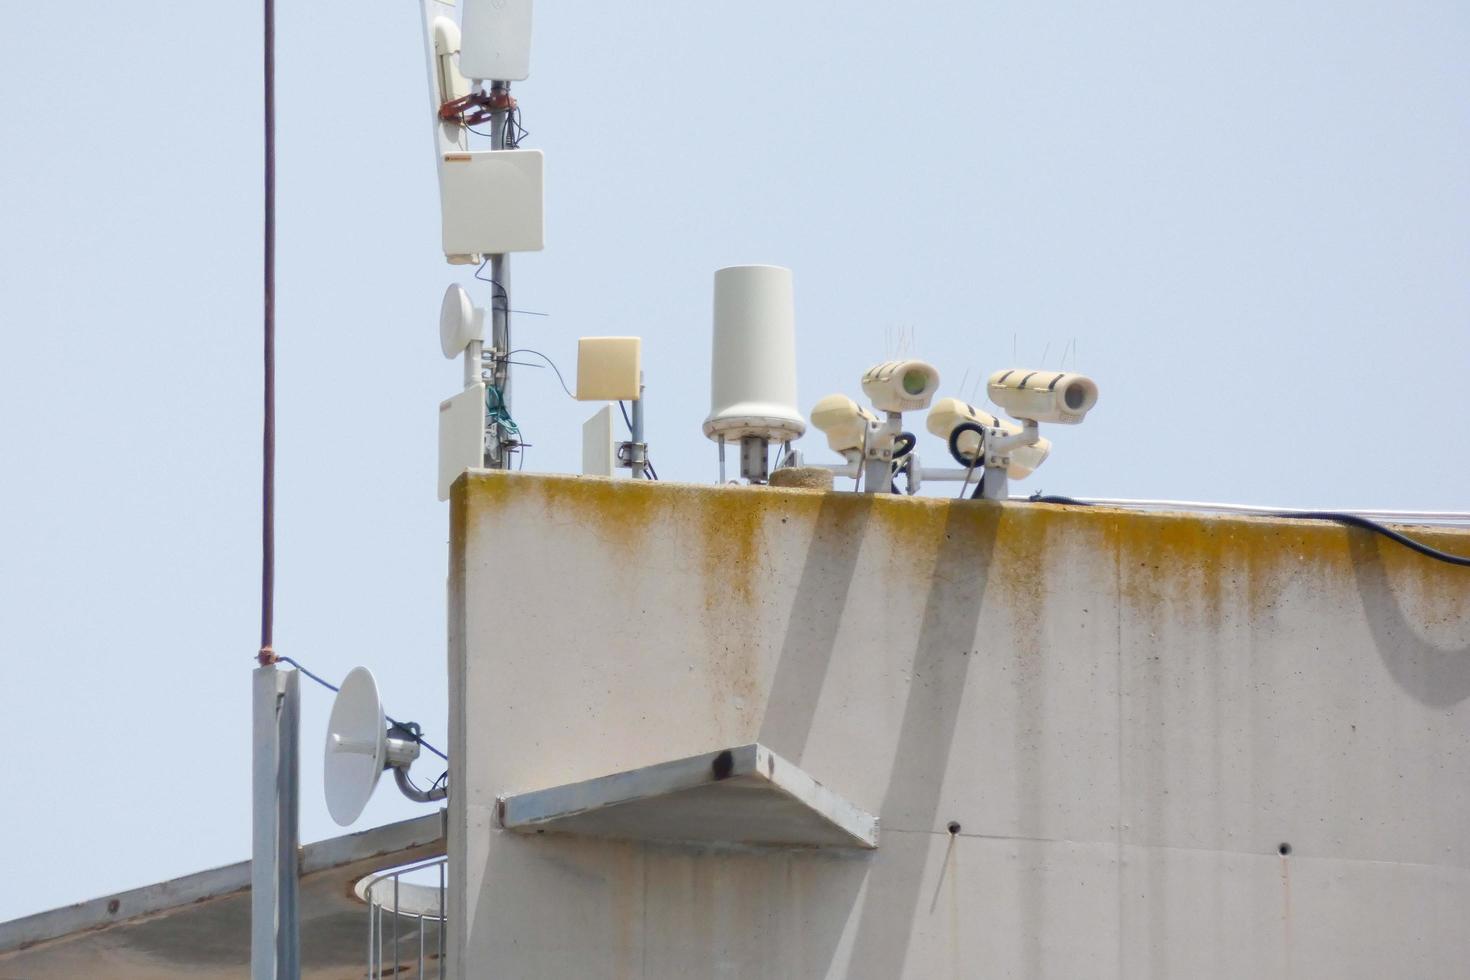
point(1126, 714)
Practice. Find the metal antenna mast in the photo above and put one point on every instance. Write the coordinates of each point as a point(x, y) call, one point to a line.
point(500, 292)
point(275, 937)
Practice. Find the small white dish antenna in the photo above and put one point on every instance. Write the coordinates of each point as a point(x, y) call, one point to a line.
point(357, 746)
point(459, 322)
point(361, 743)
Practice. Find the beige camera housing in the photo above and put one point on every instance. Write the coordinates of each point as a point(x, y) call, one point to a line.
point(1043, 396)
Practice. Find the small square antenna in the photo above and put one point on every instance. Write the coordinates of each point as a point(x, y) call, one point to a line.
point(609, 369)
point(496, 45)
point(461, 435)
point(491, 202)
point(599, 455)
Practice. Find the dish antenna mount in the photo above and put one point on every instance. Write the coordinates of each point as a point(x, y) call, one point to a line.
point(361, 743)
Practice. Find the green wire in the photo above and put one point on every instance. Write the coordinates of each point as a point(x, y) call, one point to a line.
point(496, 411)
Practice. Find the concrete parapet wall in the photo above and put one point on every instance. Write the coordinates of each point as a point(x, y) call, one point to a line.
point(1126, 714)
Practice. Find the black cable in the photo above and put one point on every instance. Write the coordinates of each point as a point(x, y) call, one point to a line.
point(511, 130)
point(1051, 498)
point(505, 308)
point(1353, 520)
point(970, 462)
point(1349, 520)
point(559, 378)
point(902, 446)
point(409, 727)
point(954, 443)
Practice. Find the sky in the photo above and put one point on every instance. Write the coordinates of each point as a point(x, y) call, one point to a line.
point(1250, 223)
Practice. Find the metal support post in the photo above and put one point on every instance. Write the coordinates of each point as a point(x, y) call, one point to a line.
point(638, 448)
point(997, 484)
point(997, 451)
point(878, 453)
point(472, 356)
point(499, 304)
point(275, 922)
point(754, 459)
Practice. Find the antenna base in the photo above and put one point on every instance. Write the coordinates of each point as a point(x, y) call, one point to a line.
point(755, 459)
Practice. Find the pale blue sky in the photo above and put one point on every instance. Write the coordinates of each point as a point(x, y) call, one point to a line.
point(1252, 219)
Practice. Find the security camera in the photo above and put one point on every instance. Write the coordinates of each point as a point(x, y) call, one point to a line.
point(949, 414)
point(901, 386)
point(1043, 396)
point(843, 421)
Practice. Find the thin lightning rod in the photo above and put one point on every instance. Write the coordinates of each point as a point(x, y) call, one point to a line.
point(267, 654)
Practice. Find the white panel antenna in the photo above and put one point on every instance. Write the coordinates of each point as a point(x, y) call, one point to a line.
point(452, 83)
point(446, 83)
point(461, 435)
point(491, 202)
point(497, 40)
point(599, 457)
point(753, 364)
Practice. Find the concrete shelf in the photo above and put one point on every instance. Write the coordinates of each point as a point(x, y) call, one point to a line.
point(744, 795)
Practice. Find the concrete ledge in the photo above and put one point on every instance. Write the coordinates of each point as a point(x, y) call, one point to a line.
point(744, 795)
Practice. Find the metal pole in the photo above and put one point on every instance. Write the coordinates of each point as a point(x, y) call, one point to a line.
point(275, 937)
point(472, 358)
point(997, 484)
point(755, 456)
point(878, 453)
point(638, 454)
point(500, 298)
point(268, 426)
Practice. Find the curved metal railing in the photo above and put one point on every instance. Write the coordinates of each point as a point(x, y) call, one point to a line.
point(402, 915)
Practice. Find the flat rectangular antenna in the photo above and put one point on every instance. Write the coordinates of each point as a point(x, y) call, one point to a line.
point(491, 201)
point(609, 369)
point(496, 44)
point(461, 435)
point(598, 454)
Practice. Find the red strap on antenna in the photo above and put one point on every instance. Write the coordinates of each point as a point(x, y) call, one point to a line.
point(477, 107)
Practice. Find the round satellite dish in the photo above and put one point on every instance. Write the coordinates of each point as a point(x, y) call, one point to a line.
point(357, 746)
point(458, 323)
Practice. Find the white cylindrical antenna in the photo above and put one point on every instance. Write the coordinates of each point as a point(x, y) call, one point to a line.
point(753, 362)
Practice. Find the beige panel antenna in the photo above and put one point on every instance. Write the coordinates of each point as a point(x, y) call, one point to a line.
point(609, 368)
